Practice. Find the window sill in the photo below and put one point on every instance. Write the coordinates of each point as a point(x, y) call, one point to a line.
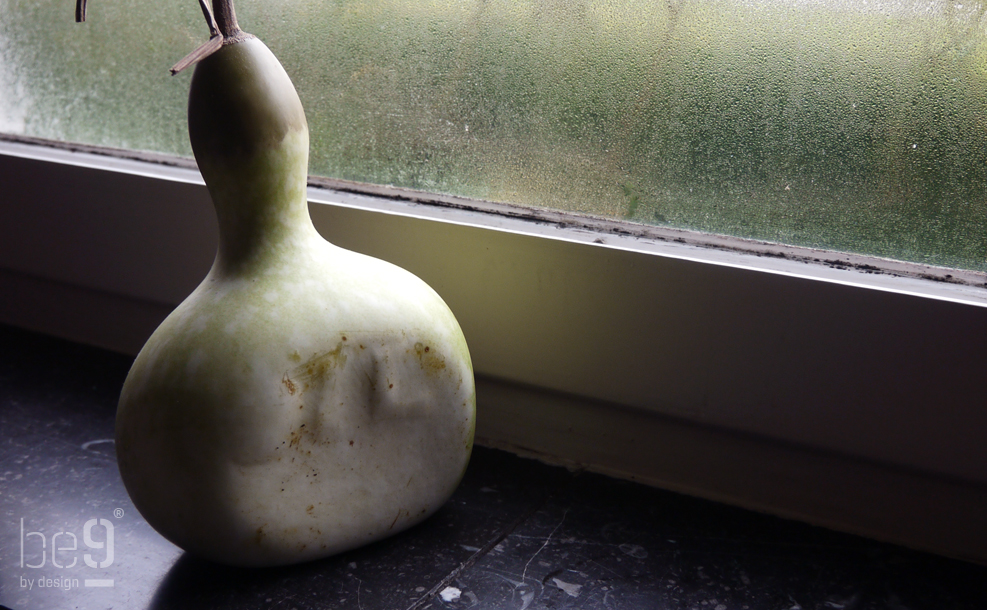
point(832, 395)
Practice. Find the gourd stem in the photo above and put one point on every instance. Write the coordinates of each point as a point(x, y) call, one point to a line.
point(225, 18)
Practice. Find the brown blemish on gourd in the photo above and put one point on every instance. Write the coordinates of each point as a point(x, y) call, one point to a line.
point(259, 534)
point(320, 366)
point(295, 436)
point(288, 383)
point(431, 362)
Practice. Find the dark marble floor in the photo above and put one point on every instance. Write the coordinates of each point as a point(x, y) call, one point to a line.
point(517, 534)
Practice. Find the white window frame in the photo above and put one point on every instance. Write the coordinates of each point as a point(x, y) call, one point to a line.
point(847, 392)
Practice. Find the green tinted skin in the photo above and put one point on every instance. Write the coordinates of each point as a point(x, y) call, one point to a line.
point(304, 400)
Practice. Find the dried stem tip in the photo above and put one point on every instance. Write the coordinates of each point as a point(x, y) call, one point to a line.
point(210, 20)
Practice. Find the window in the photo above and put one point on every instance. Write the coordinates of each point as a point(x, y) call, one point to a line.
point(848, 125)
point(651, 352)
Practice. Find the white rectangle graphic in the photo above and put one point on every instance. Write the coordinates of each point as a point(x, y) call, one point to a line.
point(99, 582)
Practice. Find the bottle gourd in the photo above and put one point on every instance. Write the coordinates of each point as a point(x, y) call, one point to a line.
point(304, 399)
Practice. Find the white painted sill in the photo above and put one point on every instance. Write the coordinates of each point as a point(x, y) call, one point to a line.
point(738, 372)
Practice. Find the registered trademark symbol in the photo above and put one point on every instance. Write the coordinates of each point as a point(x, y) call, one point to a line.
point(117, 512)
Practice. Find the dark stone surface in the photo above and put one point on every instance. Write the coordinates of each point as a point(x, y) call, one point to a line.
point(517, 534)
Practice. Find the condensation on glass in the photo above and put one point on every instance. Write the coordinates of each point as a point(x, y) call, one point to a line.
point(855, 125)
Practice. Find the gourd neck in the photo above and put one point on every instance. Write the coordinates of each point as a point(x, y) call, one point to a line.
point(262, 209)
point(250, 139)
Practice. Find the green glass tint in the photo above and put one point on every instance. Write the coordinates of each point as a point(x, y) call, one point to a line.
point(856, 125)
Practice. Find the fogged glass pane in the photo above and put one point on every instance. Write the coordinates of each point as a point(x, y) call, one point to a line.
point(857, 125)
